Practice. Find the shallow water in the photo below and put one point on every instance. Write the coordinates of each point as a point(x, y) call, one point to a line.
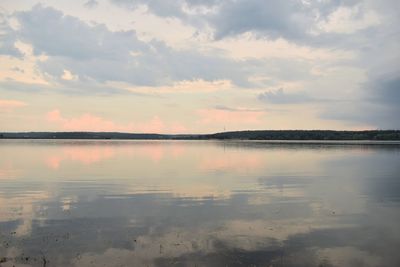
point(198, 203)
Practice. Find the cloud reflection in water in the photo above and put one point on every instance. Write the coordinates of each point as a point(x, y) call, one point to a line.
point(156, 203)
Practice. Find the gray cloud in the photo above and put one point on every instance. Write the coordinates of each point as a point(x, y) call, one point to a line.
point(168, 8)
point(16, 69)
point(299, 23)
point(280, 97)
point(381, 101)
point(91, 4)
point(15, 86)
point(96, 53)
point(68, 87)
point(53, 34)
point(273, 18)
point(377, 99)
point(386, 90)
point(378, 105)
point(7, 38)
point(234, 109)
point(293, 20)
point(157, 7)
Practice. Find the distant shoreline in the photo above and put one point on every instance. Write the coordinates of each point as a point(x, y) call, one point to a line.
point(267, 135)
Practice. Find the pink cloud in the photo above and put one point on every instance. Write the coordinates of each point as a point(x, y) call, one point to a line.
point(229, 116)
point(155, 125)
point(54, 116)
point(86, 122)
point(10, 104)
point(177, 128)
point(89, 122)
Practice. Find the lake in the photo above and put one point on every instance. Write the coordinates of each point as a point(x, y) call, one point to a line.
point(199, 203)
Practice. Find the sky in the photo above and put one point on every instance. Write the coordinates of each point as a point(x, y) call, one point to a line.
point(199, 66)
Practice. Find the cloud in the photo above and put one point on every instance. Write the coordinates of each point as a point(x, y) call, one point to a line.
point(86, 122)
point(16, 69)
point(71, 51)
point(349, 20)
point(228, 17)
point(91, 123)
point(7, 105)
point(280, 97)
point(52, 33)
point(184, 86)
point(377, 100)
point(386, 90)
point(177, 9)
point(378, 106)
point(273, 18)
point(238, 109)
point(71, 87)
point(91, 4)
point(104, 55)
point(88, 65)
point(8, 38)
point(312, 23)
point(298, 21)
point(230, 116)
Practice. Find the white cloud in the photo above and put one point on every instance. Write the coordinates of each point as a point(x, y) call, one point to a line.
point(349, 20)
point(9, 104)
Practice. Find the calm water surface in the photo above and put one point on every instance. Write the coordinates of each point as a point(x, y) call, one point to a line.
point(181, 203)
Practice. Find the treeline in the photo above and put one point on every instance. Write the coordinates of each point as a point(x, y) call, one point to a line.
point(310, 135)
point(392, 135)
